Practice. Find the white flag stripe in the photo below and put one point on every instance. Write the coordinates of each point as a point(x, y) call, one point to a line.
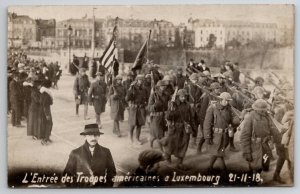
point(106, 55)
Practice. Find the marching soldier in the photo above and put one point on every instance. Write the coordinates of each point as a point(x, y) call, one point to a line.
point(180, 118)
point(97, 96)
point(158, 105)
point(256, 134)
point(117, 103)
point(126, 84)
point(218, 128)
point(206, 100)
point(194, 98)
point(222, 81)
point(81, 87)
point(180, 79)
point(137, 101)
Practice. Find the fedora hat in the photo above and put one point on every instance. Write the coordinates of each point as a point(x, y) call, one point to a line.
point(91, 129)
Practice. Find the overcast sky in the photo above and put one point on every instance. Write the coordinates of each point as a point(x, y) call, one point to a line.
point(280, 14)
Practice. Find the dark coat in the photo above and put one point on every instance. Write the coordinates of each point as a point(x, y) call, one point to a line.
point(218, 116)
point(257, 125)
point(100, 164)
point(34, 114)
point(178, 136)
point(14, 93)
point(180, 81)
point(117, 102)
point(157, 106)
point(46, 116)
point(81, 87)
point(137, 100)
point(97, 95)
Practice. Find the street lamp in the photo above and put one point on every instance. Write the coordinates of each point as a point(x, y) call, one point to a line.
point(69, 45)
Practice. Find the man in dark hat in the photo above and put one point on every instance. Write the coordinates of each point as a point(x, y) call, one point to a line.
point(91, 160)
point(97, 96)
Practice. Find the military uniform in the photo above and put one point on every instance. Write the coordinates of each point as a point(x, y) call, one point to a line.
point(158, 105)
point(257, 132)
point(180, 123)
point(137, 102)
point(117, 103)
point(97, 95)
point(81, 87)
point(217, 129)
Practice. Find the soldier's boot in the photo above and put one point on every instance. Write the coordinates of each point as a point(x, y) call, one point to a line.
point(279, 165)
point(201, 142)
point(85, 113)
point(77, 109)
point(98, 120)
point(138, 134)
point(211, 164)
point(117, 128)
point(131, 133)
point(231, 145)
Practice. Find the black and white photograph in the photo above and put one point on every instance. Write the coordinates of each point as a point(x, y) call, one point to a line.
point(150, 96)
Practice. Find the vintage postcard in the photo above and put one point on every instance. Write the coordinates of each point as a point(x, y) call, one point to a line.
point(150, 96)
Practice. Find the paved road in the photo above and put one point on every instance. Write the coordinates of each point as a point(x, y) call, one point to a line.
point(24, 152)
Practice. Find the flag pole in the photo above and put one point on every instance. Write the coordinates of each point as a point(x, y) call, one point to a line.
point(148, 45)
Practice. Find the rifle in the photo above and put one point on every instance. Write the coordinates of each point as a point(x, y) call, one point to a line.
point(235, 111)
point(173, 98)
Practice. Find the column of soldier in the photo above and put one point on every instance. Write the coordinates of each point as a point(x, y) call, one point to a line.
point(208, 109)
point(29, 95)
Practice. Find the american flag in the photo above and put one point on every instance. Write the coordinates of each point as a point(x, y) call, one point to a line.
point(110, 52)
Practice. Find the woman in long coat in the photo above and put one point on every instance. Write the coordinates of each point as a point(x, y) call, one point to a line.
point(34, 116)
point(117, 103)
point(46, 117)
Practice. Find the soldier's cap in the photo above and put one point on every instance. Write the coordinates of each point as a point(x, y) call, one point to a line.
point(148, 76)
point(118, 77)
point(194, 76)
point(260, 104)
point(162, 83)
point(215, 85)
point(206, 73)
point(140, 77)
point(220, 75)
point(258, 90)
point(202, 61)
point(99, 74)
point(91, 129)
point(150, 157)
point(182, 92)
point(225, 96)
point(259, 79)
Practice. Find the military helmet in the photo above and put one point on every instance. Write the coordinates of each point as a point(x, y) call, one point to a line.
point(194, 76)
point(259, 79)
point(215, 85)
point(260, 104)
point(150, 157)
point(206, 73)
point(225, 96)
point(182, 92)
point(118, 77)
